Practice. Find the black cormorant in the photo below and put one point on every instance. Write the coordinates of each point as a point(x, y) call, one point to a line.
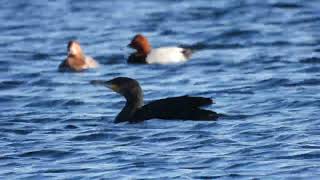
point(177, 108)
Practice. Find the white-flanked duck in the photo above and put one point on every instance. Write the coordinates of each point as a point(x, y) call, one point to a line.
point(145, 54)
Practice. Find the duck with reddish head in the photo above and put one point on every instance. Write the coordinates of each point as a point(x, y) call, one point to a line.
point(145, 54)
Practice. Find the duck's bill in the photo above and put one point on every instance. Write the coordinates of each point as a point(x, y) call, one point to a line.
point(130, 45)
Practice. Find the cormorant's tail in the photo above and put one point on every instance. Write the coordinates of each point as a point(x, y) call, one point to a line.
point(202, 115)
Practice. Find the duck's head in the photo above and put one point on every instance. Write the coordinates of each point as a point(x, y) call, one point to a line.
point(140, 43)
point(74, 49)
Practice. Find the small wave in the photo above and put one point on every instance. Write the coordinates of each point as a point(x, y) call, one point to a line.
point(238, 165)
point(243, 90)
point(45, 103)
point(44, 82)
point(17, 131)
point(273, 82)
point(315, 155)
point(232, 116)
point(306, 82)
point(310, 60)
point(45, 153)
point(285, 5)
point(304, 20)
point(168, 32)
point(208, 177)
point(204, 45)
point(164, 139)
point(10, 84)
point(238, 33)
point(129, 138)
point(73, 102)
point(93, 137)
point(40, 56)
point(55, 103)
point(58, 171)
point(69, 126)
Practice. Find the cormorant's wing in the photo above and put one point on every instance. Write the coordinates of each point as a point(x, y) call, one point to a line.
point(179, 108)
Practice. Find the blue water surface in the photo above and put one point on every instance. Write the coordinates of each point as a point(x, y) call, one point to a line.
point(259, 61)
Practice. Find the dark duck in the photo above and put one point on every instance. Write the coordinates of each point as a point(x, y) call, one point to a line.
point(173, 108)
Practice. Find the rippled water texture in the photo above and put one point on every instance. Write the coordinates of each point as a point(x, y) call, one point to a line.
point(259, 60)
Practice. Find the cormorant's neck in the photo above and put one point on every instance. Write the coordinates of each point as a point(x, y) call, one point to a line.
point(134, 102)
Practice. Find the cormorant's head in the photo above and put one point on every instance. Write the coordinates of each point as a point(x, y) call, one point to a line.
point(140, 43)
point(125, 86)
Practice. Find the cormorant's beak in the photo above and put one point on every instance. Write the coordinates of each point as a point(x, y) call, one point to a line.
point(113, 87)
point(108, 84)
point(98, 82)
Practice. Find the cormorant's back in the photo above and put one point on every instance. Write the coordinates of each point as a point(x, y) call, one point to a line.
point(179, 108)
